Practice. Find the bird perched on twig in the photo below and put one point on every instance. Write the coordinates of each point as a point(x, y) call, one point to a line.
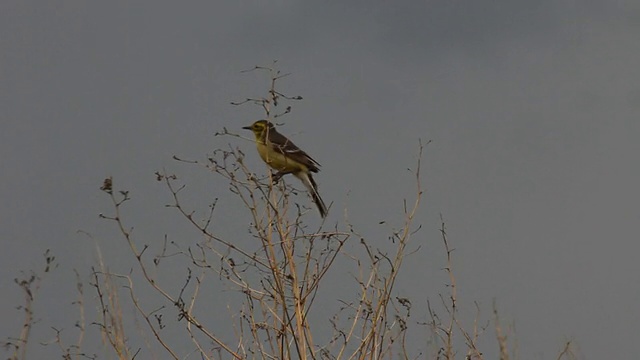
point(286, 158)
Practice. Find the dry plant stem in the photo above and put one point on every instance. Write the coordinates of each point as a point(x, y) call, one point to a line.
point(566, 351)
point(29, 285)
point(73, 351)
point(138, 255)
point(471, 339)
point(290, 286)
point(80, 302)
point(112, 327)
point(237, 187)
point(244, 189)
point(300, 334)
point(502, 339)
point(204, 229)
point(58, 340)
point(449, 352)
point(290, 264)
point(190, 308)
point(473, 352)
point(446, 333)
point(277, 280)
point(20, 344)
point(371, 316)
point(278, 219)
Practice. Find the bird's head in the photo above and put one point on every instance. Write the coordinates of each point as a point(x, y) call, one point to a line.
point(259, 127)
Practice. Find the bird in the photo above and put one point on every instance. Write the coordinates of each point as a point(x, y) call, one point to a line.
point(285, 157)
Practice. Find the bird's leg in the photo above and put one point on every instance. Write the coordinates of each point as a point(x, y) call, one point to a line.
point(276, 176)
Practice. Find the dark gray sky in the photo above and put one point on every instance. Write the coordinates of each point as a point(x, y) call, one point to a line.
point(532, 106)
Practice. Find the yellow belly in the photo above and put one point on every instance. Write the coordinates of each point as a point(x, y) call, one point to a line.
point(278, 161)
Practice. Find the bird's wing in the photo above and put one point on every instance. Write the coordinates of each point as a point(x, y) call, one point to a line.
point(286, 147)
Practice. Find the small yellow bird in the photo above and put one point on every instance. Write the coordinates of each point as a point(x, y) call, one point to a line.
point(285, 157)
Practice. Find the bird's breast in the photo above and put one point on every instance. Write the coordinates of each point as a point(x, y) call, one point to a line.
point(277, 160)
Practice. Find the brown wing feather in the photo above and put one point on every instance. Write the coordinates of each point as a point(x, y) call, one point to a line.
point(289, 149)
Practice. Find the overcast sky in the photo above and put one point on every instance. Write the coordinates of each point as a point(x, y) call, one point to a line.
point(532, 108)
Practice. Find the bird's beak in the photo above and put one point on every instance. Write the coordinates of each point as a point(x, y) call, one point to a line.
point(247, 127)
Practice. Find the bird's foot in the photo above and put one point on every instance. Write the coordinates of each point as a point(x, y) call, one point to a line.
point(276, 176)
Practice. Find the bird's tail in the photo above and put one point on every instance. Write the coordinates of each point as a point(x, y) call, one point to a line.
point(310, 184)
